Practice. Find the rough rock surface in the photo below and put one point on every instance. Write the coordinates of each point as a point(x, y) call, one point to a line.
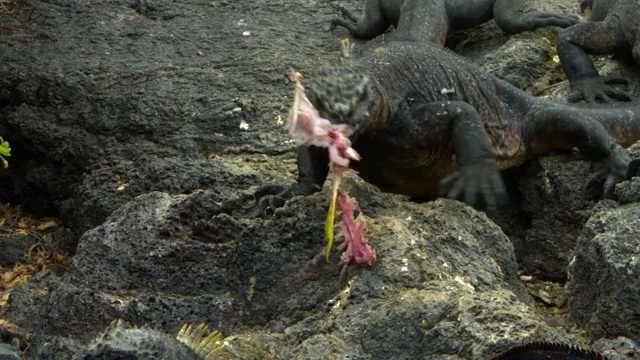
point(604, 277)
point(146, 125)
point(618, 349)
point(554, 200)
point(145, 264)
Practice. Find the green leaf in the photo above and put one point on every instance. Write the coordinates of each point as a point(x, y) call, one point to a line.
point(5, 151)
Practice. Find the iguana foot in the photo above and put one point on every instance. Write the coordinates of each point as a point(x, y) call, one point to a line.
point(270, 197)
point(543, 18)
point(478, 184)
point(510, 23)
point(348, 21)
point(617, 167)
point(348, 14)
point(598, 89)
point(367, 26)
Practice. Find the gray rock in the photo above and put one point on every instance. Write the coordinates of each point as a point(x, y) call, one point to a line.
point(164, 80)
point(324, 346)
point(45, 346)
point(110, 187)
point(14, 247)
point(604, 277)
point(629, 191)
point(7, 352)
point(438, 264)
point(554, 198)
point(618, 349)
point(147, 125)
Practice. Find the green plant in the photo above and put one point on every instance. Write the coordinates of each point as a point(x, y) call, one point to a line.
point(5, 151)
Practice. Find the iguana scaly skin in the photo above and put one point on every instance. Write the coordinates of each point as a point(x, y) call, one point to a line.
point(426, 119)
point(549, 351)
point(123, 341)
point(432, 20)
point(614, 29)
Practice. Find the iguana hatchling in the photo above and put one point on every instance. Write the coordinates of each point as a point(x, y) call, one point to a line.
point(426, 119)
point(432, 20)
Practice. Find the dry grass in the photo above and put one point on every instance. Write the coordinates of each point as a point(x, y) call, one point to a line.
point(15, 223)
point(18, 14)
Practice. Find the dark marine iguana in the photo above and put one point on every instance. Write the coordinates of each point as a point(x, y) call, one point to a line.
point(432, 20)
point(122, 341)
point(614, 29)
point(424, 118)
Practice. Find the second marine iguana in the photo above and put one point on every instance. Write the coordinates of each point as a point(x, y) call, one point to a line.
point(432, 20)
point(549, 351)
point(122, 341)
point(614, 28)
point(425, 118)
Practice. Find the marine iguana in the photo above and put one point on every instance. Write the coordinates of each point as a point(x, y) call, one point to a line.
point(424, 118)
point(432, 20)
point(614, 29)
point(122, 341)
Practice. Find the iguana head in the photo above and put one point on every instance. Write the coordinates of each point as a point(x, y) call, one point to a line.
point(343, 95)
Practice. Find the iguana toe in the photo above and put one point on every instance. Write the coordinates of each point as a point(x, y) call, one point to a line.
point(617, 167)
point(270, 197)
point(348, 21)
point(566, 20)
point(347, 14)
point(599, 89)
point(479, 185)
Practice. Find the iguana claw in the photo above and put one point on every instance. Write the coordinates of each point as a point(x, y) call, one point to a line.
point(617, 167)
point(479, 184)
point(598, 89)
point(270, 197)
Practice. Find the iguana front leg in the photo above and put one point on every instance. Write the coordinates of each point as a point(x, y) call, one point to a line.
point(458, 125)
point(313, 168)
point(511, 18)
point(574, 46)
